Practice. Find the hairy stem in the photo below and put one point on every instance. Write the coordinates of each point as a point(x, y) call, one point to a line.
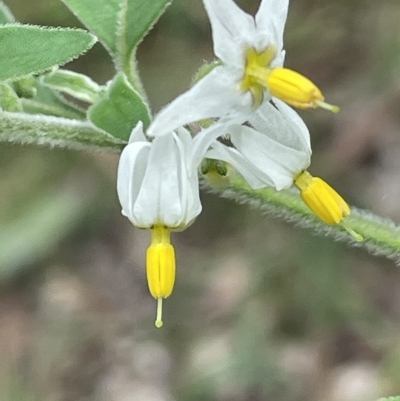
point(380, 236)
point(55, 132)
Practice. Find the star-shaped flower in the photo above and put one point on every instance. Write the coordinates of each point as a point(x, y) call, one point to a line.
point(271, 150)
point(250, 72)
point(274, 150)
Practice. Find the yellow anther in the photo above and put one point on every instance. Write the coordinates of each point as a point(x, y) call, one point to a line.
point(160, 267)
point(283, 83)
point(321, 198)
point(296, 90)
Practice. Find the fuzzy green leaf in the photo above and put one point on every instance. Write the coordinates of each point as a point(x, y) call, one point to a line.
point(9, 100)
point(120, 109)
point(26, 87)
point(51, 131)
point(77, 85)
point(33, 49)
point(100, 17)
point(136, 19)
point(120, 26)
point(48, 102)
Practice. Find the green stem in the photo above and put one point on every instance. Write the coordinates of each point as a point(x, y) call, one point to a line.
point(41, 108)
point(381, 236)
point(52, 131)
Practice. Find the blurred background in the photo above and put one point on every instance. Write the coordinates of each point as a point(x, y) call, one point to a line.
point(261, 310)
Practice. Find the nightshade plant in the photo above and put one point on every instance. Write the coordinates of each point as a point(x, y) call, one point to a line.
point(236, 99)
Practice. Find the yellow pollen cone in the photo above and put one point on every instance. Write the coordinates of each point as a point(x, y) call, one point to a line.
point(296, 90)
point(321, 198)
point(283, 83)
point(160, 267)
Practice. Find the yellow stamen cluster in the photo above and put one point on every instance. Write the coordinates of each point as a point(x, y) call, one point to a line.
point(324, 201)
point(283, 83)
point(256, 73)
point(160, 267)
point(297, 90)
point(321, 198)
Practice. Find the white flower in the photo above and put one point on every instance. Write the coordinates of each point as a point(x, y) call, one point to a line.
point(252, 55)
point(158, 189)
point(275, 151)
point(155, 186)
point(270, 153)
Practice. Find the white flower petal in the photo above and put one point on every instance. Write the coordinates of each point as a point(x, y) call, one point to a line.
point(154, 184)
point(215, 95)
point(203, 140)
point(303, 133)
point(137, 134)
point(283, 125)
point(131, 170)
point(189, 178)
point(159, 200)
point(233, 31)
point(255, 178)
point(270, 24)
point(193, 204)
point(186, 139)
point(279, 60)
point(182, 172)
point(275, 160)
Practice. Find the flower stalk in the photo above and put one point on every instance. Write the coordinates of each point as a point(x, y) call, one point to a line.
point(380, 236)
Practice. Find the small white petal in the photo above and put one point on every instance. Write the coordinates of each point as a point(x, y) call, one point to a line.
point(289, 112)
point(277, 161)
point(233, 31)
point(279, 60)
point(131, 170)
point(215, 95)
point(193, 202)
point(270, 23)
point(188, 174)
point(159, 201)
point(203, 140)
point(137, 134)
point(282, 124)
point(184, 137)
point(255, 178)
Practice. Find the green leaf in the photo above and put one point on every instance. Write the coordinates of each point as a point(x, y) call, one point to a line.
point(33, 49)
point(51, 131)
point(100, 17)
point(26, 87)
point(9, 100)
point(120, 26)
point(136, 19)
point(77, 85)
point(120, 109)
point(51, 103)
point(5, 14)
